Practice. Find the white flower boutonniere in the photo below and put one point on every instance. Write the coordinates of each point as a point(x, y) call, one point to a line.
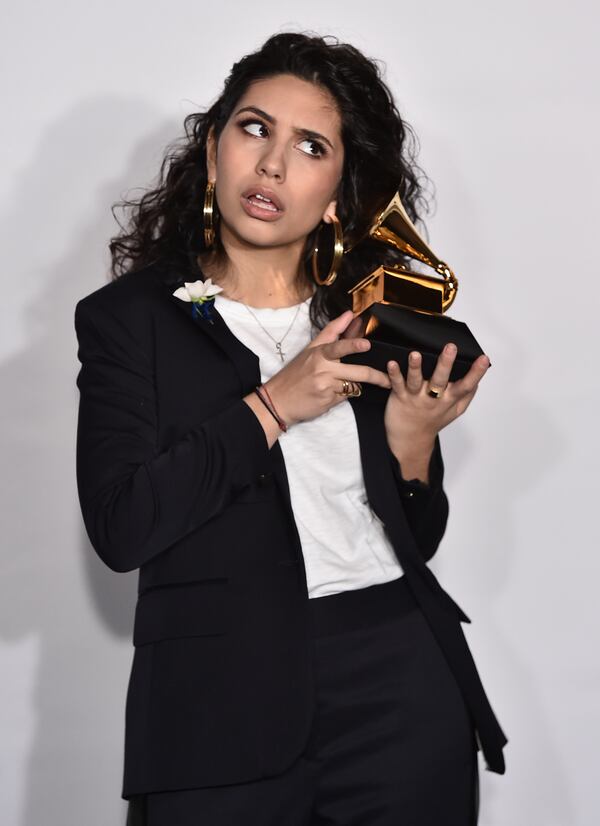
point(201, 294)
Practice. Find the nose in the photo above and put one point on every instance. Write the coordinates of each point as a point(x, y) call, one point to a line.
point(272, 163)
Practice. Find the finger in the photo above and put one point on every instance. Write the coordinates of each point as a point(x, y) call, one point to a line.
point(396, 377)
point(470, 381)
point(355, 329)
point(465, 401)
point(348, 388)
point(363, 373)
point(334, 350)
point(333, 329)
point(443, 366)
point(414, 376)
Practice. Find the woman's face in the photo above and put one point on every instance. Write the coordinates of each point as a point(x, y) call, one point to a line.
point(283, 136)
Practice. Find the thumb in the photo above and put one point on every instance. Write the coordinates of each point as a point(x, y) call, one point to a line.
point(333, 330)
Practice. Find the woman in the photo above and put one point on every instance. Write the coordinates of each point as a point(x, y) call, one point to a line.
point(296, 662)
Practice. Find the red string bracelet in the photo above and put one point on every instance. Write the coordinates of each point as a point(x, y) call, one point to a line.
point(270, 406)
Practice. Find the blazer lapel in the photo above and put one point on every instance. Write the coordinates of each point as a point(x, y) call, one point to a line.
point(244, 360)
point(247, 365)
point(380, 485)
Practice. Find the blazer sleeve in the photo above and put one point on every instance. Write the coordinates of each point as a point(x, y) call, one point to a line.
point(137, 500)
point(425, 505)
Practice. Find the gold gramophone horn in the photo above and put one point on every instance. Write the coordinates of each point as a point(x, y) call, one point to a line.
point(395, 284)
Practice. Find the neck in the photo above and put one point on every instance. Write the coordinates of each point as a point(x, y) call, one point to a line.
point(262, 277)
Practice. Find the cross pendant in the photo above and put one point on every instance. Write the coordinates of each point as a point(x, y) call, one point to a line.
point(278, 348)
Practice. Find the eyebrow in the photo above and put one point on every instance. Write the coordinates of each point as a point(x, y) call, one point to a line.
point(310, 133)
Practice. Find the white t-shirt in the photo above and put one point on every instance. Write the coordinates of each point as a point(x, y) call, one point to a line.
point(343, 542)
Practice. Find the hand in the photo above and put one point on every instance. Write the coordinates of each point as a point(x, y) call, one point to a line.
point(312, 381)
point(412, 417)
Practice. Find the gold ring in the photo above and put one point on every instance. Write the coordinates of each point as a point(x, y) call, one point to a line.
point(350, 388)
point(434, 392)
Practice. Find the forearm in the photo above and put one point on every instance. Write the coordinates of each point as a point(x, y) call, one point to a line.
point(414, 457)
point(136, 503)
point(265, 417)
point(425, 502)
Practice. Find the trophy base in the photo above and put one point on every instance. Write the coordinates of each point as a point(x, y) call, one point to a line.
point(395, 332)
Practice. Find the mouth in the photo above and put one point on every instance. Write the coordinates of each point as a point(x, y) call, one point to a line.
point(257, 210)
point(263, 199)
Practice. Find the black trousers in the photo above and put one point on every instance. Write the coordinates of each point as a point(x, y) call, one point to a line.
point(391, 744)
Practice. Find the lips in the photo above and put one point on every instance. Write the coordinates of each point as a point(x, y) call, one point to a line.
point(265, 193)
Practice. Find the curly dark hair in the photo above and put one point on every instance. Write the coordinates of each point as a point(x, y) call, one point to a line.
point(380, 148)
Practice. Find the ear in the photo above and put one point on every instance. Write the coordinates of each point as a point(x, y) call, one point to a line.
point(329, 211)
point(211, 154)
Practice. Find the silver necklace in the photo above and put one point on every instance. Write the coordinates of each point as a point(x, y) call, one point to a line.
point(277, 343)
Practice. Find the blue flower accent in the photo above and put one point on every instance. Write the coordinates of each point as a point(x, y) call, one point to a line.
point(202, 295)
point(202, 309)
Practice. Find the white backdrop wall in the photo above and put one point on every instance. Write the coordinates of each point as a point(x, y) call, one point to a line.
point(503, 98)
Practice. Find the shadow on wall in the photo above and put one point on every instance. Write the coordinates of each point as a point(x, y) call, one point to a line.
point(55, 589)
point(512, 456)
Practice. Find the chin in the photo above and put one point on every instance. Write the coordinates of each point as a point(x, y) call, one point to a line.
point(258, 235)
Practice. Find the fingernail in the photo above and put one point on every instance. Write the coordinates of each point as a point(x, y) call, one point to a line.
point(450, 348)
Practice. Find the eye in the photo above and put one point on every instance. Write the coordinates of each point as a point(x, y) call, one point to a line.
point(258, 123)
point(320, 148)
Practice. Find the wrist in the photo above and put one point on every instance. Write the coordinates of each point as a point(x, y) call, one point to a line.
point(412, 444)
point(268, 423)
point(414, 457)
point(275, 394)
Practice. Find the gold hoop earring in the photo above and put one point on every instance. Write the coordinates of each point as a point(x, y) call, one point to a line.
point(209, 229)
point(338, 252)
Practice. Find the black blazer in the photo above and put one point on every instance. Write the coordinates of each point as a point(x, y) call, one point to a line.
point(175, 478)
